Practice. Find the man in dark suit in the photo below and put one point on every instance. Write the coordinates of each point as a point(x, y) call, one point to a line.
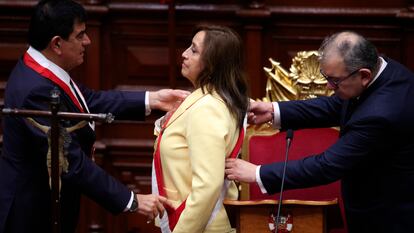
point(58, 39)
point(374, 156)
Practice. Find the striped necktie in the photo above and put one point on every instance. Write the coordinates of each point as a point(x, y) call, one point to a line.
point(78, 96)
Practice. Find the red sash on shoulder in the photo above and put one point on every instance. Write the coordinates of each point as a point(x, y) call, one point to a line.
point(174, 214)
point(30, 62)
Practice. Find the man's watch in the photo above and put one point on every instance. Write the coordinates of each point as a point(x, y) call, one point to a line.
point(134, 204)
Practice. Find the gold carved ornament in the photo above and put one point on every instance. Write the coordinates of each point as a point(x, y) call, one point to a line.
point(303, 82)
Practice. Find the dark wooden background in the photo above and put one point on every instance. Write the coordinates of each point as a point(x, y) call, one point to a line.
point(137, 45)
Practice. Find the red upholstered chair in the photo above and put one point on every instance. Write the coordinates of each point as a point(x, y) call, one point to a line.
point(265, 145)
point(269, 146)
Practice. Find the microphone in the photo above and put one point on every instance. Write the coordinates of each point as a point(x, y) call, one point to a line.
point(289, 138)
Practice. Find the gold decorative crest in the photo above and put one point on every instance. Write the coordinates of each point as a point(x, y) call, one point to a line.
point(303, 82)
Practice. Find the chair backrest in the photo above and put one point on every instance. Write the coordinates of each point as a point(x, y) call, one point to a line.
point(264, 146)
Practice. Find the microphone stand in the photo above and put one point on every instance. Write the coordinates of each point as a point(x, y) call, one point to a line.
point(55, 116)
point(289, 137)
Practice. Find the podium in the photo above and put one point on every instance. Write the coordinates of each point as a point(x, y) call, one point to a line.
point(307, 216)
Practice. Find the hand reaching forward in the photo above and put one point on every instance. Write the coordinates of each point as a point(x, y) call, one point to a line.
point(238, 169)
point(260, 112)
point(166, 99)
point(152, 205)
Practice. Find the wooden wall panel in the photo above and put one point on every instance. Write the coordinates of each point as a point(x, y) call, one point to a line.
point(131, 45)
point(288, 36)
point(13, 34)
point(339, 3)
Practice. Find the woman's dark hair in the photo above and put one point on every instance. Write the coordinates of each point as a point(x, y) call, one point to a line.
point(223, 72)
point(54, 18)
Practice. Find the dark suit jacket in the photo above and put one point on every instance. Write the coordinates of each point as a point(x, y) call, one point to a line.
point(24, 183)
point(374, 156)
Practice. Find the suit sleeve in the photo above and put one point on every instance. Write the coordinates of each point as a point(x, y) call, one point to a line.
point(207, 134)
point(313, 113)
point(124, 105)
point(363, 138)
point(93, 181)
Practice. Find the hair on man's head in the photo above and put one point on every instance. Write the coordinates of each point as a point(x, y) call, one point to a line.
point(54, 18)
point(356, 51)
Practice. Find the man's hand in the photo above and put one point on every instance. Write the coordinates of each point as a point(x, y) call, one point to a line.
point(260, 112)
point(152, 205)
point(238, 169)
point(166, 99)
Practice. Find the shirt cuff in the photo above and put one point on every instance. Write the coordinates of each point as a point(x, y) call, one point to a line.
point(147, 106)
point(259, 181)
point(276, 115)
point(128, 207)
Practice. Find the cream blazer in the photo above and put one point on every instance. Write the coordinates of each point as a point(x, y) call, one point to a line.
point(197, 139)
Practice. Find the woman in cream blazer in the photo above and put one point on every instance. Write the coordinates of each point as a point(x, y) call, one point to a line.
point(196, 138)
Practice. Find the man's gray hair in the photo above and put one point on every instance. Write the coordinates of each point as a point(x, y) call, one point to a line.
point(356, 51)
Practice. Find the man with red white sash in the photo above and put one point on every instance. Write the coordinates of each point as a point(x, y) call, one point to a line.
point(58, 40)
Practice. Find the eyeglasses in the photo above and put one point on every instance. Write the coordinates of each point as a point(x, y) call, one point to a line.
point(335, 81)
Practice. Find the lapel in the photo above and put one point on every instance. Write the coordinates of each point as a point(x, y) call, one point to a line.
point(186, 104)
point(352, 104)
point(347, 111)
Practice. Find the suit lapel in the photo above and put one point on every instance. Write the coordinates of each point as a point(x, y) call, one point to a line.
point(186, 104)
point(351, 106)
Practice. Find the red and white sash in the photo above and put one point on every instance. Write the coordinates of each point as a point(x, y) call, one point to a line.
point(32, 63)
point(30, 59)
point(169, 220)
